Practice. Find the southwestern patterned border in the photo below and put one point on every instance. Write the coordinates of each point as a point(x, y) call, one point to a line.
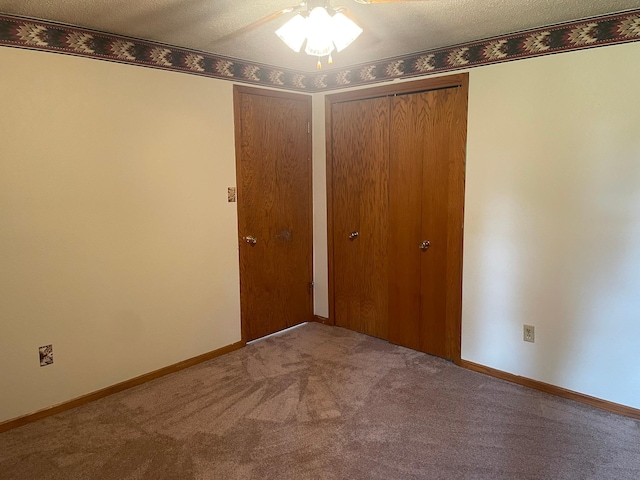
point(54, 37)
point(49, 36)
point(594, 32)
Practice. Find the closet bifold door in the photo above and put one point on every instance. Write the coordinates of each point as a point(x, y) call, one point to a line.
point(360, 170)
point(426, 188)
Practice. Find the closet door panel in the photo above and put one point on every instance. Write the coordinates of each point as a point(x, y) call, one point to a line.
point(437, 164)
point(425, 236)
point(408, 121)
point(346, 219)
point(401, 277)
point(360, 170)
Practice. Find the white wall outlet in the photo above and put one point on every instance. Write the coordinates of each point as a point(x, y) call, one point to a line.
point(529, 333)
point(46, 355)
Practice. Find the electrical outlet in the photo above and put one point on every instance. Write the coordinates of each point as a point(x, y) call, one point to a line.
point(46, 355)
point(529, 333)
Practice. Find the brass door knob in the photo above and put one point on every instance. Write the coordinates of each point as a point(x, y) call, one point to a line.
point(250, 240)
point(353, 235)
point(425, 245)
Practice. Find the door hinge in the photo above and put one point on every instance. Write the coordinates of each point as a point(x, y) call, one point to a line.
point(308, 127)
point(311, 287)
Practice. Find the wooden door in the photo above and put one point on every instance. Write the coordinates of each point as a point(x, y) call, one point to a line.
point(426, 205)
point(273, 161)
point(360, 170)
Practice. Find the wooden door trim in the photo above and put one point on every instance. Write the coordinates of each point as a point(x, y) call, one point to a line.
point(457, 218)
point(329, 198)
point(239, 90)
point(270, 93)
point(415, 86)
point(459, 80)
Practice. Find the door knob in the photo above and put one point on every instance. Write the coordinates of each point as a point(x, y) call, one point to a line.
point(250, 240)
point(353, 235)
point(425, 245)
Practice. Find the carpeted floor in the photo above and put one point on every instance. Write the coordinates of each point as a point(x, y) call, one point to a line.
point(318, 402)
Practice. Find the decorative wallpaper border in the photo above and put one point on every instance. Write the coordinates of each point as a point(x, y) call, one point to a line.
point(577, 35)
point(54, 37)
point(47, 36)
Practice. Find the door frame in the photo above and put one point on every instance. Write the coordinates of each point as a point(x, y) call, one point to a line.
point(239, 90)
point(461, 80)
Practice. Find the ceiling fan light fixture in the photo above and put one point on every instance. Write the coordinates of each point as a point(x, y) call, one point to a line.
point(322, 32)
point(344, 31)
point(294, 32)
point(319, 48)
point(319, 27)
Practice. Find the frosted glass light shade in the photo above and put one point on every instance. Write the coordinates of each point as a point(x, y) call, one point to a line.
point(319, 26)
point(344, 31)
point(322, 32)
point(294, 32)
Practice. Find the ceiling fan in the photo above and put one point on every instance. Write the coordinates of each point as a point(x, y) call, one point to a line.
point(318, 25)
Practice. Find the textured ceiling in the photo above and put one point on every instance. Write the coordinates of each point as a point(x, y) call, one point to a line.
point(391, 29)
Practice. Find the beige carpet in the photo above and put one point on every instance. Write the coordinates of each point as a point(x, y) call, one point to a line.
point(318, 402)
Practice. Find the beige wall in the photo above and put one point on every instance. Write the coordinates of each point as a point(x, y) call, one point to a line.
point(552, 229)
point(552, 220)
point(321, 281)
point(117, 242)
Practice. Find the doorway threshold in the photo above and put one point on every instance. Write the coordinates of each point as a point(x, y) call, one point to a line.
point(276, 333)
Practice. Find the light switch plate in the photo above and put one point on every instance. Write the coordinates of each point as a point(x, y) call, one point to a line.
point(46, 355)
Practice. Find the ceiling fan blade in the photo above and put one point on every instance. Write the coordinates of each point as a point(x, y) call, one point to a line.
point(259, 23)
point(347, 13)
